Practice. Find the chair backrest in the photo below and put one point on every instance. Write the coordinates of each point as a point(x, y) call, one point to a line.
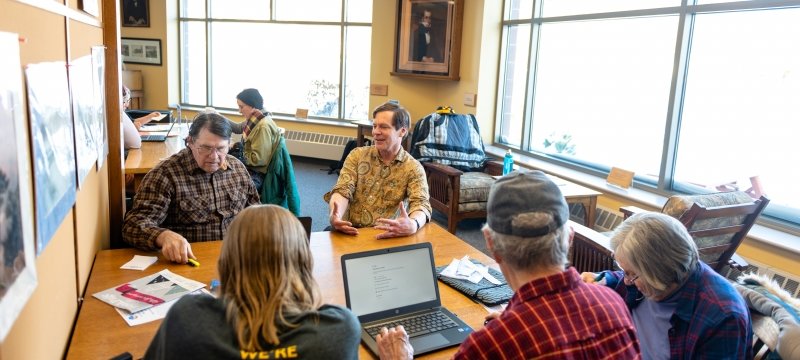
point(718, 222)
point(306, 221)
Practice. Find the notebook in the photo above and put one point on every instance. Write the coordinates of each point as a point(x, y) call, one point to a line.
point(398, 286)
point(158, 137)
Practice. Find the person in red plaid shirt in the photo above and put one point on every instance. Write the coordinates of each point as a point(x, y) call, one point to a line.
point(553, 313)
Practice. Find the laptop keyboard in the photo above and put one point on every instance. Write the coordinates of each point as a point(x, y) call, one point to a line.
point(417, 325)
point(153, 137)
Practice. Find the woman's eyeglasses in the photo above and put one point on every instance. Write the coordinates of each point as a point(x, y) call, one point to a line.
point(627, 277)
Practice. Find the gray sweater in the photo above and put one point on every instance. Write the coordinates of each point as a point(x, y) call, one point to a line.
point(196, 328)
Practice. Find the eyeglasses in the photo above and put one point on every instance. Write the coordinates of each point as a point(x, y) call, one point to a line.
point(625, 275)
point(206, 150)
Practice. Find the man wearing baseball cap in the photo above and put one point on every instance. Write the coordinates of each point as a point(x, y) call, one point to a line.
point(553, 313)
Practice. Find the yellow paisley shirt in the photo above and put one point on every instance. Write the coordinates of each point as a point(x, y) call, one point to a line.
point(375, 189)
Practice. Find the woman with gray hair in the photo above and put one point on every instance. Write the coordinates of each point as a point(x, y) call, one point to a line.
point(681, 308)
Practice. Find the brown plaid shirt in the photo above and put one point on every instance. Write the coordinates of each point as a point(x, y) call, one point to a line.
point(180, 196)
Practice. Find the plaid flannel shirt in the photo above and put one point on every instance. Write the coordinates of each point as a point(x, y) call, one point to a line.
point(180, 196)
point(712, 320)
point(557, 317)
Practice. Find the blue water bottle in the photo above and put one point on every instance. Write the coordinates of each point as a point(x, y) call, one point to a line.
point(508, 162)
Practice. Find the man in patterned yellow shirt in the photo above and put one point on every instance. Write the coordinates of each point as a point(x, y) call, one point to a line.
point(376, 182)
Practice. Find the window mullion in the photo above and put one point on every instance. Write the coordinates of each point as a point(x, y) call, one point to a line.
point(675, 102)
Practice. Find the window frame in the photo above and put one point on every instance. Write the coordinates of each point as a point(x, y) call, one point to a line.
point(343, 25)
point(776, 216)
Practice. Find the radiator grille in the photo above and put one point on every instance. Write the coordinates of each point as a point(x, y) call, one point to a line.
point(788, 282)
point(315, 145)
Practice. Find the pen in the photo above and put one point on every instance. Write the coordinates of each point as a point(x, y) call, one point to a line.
point(194, 263)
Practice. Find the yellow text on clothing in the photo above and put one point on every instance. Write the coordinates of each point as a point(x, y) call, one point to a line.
point(289, 352)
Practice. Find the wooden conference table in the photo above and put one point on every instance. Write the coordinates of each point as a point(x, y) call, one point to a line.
point(140, 161)
point(100, 333)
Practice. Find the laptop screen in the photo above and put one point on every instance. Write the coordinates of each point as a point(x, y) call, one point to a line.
point(390, 280)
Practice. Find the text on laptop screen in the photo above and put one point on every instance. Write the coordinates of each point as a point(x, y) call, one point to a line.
point(389, 281)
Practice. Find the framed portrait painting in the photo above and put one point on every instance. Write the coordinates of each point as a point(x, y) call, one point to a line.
point(135, 13)
point(428, 38)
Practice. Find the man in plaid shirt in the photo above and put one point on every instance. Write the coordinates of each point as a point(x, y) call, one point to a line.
point(191, 196)
point(553, 313)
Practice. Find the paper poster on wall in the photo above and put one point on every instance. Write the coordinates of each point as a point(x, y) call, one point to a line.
point(53, 147)
point(17, 261)
point(81, 82)
point(99, 129)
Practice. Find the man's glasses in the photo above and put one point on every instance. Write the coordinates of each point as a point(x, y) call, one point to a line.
point(206, 150)
point(627, 277)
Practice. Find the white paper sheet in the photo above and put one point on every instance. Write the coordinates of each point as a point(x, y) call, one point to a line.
point(466, 270)
point(139, 262)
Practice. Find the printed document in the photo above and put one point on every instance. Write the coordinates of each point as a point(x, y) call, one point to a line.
point(148, 291)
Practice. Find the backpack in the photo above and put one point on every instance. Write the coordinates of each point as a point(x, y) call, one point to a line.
point(450, 139)
point(337, 165)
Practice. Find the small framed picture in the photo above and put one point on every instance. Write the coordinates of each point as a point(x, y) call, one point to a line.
point(141, 51)
point(428, 39)
point(135, 13)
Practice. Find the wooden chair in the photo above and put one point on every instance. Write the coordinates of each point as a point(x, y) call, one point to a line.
point(718, 223)
point(306, 221)
point(590, 250)
point(460, 195)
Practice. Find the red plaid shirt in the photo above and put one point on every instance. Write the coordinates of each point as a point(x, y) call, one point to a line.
point(557, 317)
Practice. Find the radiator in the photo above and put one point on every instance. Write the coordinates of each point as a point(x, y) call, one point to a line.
point(315, 145)
point(788, 282)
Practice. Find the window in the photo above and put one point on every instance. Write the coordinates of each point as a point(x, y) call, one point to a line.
point(299, 54)
point(693, 99)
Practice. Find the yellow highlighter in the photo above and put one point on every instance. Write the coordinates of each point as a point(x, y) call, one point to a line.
point(194, 263)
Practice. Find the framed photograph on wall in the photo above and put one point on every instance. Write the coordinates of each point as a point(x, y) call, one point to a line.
point(18, 260)
point(141, 51)
point(428, 39)
point(135, 13)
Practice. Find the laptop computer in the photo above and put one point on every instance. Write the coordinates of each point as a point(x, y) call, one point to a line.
point(397, 285)
point(159, 137)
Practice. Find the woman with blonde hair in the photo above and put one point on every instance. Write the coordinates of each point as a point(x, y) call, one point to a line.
point(269, 305)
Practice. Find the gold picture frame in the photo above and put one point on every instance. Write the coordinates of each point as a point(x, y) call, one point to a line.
point(428, 39)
